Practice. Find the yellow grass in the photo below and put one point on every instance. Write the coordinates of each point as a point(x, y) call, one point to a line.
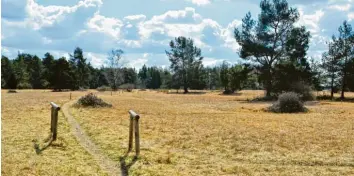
point(197, 134)
point(212, 134)
point(25, 120)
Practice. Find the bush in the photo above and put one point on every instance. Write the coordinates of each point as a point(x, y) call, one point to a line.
point(227, 92)
point(128, 87)
point(24, 86)
point(11, 91)
point(93, 101)
point(103, 88)
point(288, 102)
point(303, 90)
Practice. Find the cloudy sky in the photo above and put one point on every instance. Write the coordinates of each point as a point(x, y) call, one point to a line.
point(143, 28)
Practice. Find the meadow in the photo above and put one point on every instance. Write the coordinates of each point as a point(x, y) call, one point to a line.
point(194, 134)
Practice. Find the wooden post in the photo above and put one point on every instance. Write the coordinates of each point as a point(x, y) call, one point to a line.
point(130, 145)
point(54, 120)
point(134, 121)
point(137, 136)
point(70, 95)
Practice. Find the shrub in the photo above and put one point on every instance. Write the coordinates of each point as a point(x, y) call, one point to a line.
point(93, 101)
point(288, 102)
point(103, 88)
point(303, 90)
point(128, 87)
point(227, 92)
point(11, 91)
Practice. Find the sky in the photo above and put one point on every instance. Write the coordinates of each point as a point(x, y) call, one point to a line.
point(144, 28)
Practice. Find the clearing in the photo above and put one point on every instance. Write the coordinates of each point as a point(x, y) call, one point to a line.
point(194, 134)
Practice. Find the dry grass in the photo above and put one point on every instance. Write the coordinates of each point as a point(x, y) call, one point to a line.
point(25, 120)
point(212, 134)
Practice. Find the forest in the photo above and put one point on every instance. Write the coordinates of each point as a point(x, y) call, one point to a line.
point(273, 49)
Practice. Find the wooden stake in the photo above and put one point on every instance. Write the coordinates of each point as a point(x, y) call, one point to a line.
point(54, 120)
point(70, 95)
point(137, 136)
point(130, 145)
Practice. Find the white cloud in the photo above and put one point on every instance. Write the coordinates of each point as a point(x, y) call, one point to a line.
point(199, 2)
point(135, 17)
point(39, 16)
point(340, 7)
point(351, 16)
point(227, 35)
point(311, 21)
point(97, 60)
point(109, 26)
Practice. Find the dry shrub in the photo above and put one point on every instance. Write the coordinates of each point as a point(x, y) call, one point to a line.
point(288, 102)
point(127, 87)
point(92, 101)
point(11, 91)
point(103, 88)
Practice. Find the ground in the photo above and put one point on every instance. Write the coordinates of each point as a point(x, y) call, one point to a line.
point(194, 134)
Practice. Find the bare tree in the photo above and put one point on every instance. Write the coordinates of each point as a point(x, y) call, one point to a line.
point(113, 73)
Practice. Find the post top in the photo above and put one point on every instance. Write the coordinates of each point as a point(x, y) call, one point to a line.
point(133, 114)
point(55, 106)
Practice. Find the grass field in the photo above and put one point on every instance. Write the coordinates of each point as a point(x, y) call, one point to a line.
point(195, 134)
point(25, 122)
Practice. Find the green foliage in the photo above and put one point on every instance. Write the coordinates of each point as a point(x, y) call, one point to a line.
point(272, 38)
point(91, 100)
point(224, 75)
point(235, 77)
point(184, 58)
point(80, 69)
point(62, 75)
point(338, 61)
point(303, 90)
point(288, 102)
point(8, 79)
point(129, 75)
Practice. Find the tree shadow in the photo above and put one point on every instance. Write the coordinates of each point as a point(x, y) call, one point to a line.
point(335, 99)
point(231, 94)
point(126, 166)
point(189, 93)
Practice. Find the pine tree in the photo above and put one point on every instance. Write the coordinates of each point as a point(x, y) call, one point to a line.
point(183, 56)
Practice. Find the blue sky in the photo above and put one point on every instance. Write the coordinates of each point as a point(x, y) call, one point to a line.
point(143, 28)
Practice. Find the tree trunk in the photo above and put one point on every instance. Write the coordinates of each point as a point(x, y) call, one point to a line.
point(269, 83)
point(343, 85)
point(185, 89)
point(332, 86)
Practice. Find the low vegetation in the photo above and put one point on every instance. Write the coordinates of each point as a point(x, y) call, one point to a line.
point(288, 102)
point(91, 100)
point(209, 134)
point(11, 91)
point(25, 129)
point(104, 88)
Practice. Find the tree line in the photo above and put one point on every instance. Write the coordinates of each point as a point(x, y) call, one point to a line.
point(273, 46)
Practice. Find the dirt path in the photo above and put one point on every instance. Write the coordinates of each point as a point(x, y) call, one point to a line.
point(108, 165)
